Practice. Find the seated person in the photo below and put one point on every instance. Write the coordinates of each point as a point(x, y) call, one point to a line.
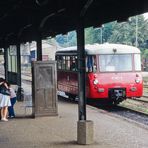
point(73, 66)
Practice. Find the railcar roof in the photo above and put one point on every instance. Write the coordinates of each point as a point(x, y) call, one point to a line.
point(102, 49)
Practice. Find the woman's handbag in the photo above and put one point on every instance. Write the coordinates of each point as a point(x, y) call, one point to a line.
point(4, 90)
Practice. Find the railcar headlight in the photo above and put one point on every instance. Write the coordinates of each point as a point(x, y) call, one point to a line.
point(96, 82)
point(137, 80)
point(133, 89)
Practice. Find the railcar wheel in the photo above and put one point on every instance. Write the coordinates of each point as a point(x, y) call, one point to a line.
point(110, 102)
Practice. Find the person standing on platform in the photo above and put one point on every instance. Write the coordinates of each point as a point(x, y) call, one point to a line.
point(4, 99)
point(13, 101)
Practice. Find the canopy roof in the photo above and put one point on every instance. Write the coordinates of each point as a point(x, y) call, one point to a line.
point(24, 20)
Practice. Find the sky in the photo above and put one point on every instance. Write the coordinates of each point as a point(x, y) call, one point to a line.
point(146, 15)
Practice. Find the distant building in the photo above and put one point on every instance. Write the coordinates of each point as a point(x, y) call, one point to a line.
point(29, 52)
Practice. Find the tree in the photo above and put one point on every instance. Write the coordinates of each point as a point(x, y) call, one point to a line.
point(89, 35)
point(67, 40)
point(125, 32)
point(113, 32)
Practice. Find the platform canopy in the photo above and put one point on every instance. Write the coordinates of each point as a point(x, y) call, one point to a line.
point(24, 20)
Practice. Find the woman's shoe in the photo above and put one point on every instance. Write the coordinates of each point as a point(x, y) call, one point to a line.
point(12, 116)
point(4, 119)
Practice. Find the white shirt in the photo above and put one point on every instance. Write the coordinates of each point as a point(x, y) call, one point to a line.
point(12, 93)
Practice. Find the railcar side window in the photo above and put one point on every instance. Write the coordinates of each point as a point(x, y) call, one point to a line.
point(59, 62)
point(63, 62)
point(68, 63)
point(91, 63)
point(73, 63)
point(137, 61)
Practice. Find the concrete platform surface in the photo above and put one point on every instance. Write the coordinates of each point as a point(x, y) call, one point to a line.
point(61, 131)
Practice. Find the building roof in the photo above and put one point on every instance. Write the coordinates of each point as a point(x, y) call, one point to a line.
point(24, 20)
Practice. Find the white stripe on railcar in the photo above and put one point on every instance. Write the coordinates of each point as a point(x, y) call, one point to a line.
point(104, 49)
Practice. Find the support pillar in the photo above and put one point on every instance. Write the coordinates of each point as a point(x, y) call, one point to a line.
point(81, 72)
point(39, 47)
point(84, 127)
point(85, 132)
point(19, 72)
point(6, 63)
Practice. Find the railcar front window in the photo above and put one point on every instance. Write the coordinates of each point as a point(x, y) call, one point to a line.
point(112, 63)
point(137, 62)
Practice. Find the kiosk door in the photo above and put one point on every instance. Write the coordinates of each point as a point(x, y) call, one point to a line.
point(44, 88)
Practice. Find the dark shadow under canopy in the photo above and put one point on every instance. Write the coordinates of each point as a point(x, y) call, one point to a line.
point(24, 20)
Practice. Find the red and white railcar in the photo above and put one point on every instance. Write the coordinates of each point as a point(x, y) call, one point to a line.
point(113, 72)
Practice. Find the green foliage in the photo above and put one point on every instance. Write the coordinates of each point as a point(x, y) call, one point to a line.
point(145, 53)
point(125, 33)
point(113, 32)
point(67, 40)
point(89, 35)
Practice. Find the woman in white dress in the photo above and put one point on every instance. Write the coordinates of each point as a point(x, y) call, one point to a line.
point(4, 99)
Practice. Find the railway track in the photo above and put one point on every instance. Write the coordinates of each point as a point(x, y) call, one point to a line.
point(126, 113)
point(142, 100)
point(129, 114)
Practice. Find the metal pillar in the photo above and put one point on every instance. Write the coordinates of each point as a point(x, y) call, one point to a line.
point(136, 31)
point(84, 127)
point(39, 47)
point(18, 72)
point(6, 63)
point(81, 72)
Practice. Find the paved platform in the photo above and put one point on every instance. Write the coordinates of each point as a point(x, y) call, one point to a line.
point(61, 131)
